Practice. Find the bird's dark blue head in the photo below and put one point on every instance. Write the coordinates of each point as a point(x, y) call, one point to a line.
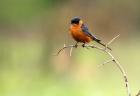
point(75, 20)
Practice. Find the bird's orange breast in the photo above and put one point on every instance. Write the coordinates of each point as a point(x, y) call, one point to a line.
point(78, 35)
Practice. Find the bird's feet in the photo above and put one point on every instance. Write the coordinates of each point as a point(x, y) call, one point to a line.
point(83, 45)
point(76, 45)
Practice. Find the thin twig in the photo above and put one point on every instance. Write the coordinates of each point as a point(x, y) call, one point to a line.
point(112, 39)
point(112, 59)
point(70, 46)
point(71, 50)
point(105, 62)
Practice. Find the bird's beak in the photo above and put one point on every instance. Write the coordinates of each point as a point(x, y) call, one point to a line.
point(80, 22)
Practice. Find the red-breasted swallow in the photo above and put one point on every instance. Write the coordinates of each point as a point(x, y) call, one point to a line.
point(80, 32)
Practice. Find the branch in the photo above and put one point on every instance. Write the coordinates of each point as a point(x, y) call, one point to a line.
point(70, 46)
point(108, 61)
point(138, 93)
point(113, 39)
point(116, 62)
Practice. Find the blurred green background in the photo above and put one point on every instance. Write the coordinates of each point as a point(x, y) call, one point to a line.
point(31, 31)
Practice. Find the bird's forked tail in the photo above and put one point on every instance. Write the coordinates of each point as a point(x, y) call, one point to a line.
point(99, 41)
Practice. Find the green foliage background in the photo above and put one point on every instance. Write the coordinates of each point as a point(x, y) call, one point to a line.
point(31, 31)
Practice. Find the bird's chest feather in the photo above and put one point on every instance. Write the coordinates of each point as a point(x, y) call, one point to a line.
point(78, 35)
point(76, 31)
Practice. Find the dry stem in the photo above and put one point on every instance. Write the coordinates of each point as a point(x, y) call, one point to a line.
point(116, 62)
point(138, 93)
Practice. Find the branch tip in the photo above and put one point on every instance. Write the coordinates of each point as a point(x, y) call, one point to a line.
point(112, 59)
point(112, 40)
point(138, 94)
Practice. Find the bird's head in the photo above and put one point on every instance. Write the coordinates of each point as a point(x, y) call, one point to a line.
point(76, 21)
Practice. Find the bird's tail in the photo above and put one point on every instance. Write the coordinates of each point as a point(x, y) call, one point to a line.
point(99, 41)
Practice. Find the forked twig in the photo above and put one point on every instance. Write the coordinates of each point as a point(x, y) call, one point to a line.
point(116, 62)
point(70, 46)
point(113, 39)
point(108, 61)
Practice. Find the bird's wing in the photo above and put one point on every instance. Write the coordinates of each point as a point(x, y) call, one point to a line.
point(85, 30)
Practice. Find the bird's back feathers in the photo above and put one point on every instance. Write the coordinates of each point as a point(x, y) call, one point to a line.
point(85, 30)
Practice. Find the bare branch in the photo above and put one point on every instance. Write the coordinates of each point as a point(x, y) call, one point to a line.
point(105, 62)
point(112, 59)
point(112, 39)
point(70, 46)
point(138, 94)
point(71, 50)
point(122, 71)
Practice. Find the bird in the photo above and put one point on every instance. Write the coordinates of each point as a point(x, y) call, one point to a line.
point(80, 33)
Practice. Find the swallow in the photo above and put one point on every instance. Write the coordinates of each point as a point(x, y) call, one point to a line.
point(80, 33)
